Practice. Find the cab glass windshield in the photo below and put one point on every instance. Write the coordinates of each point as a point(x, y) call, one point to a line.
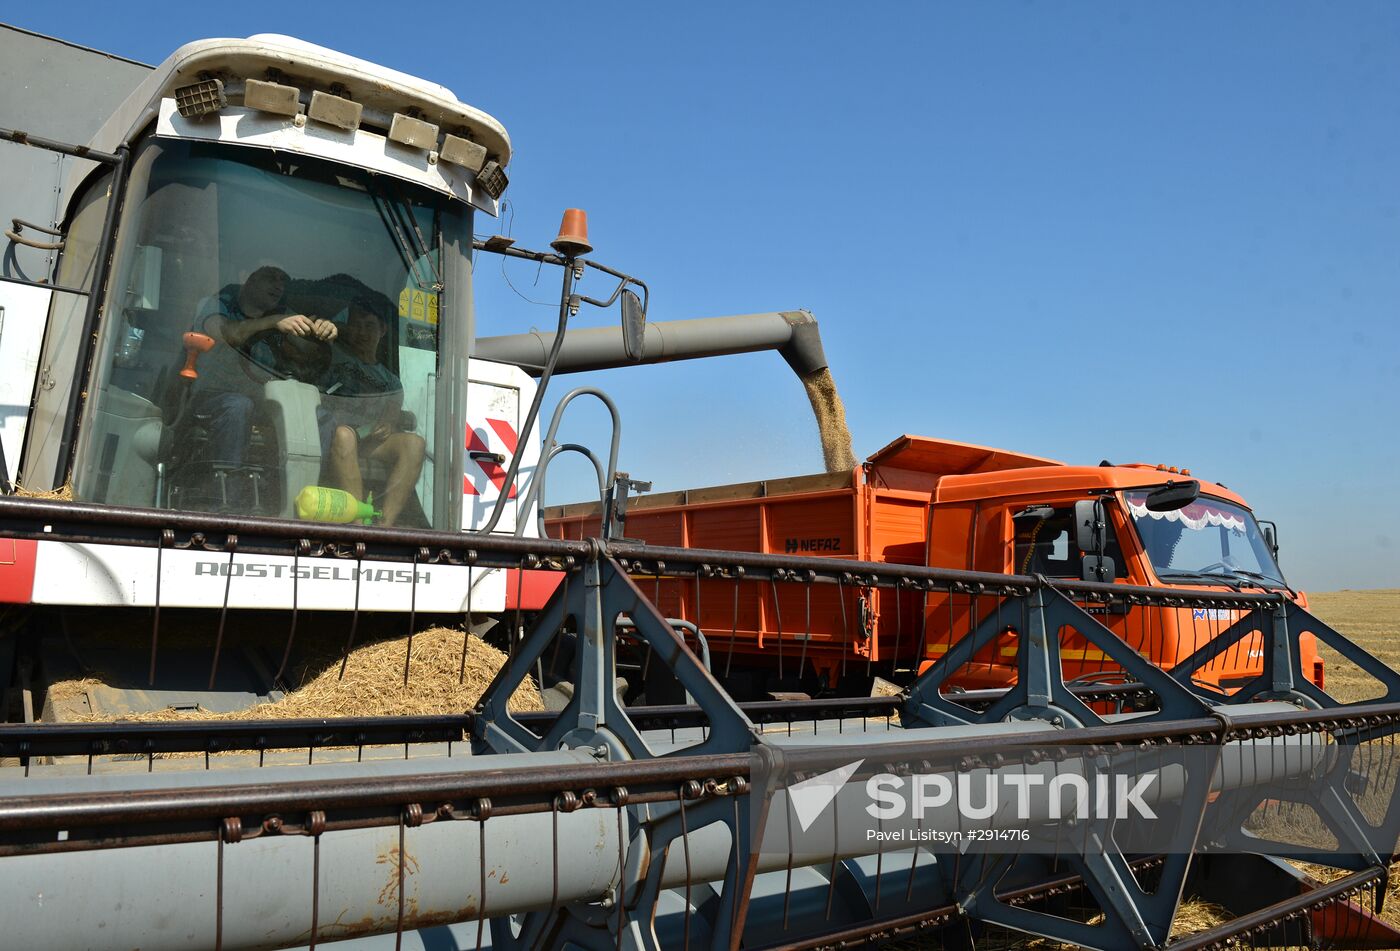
point(1208, 538)
point(272, 340)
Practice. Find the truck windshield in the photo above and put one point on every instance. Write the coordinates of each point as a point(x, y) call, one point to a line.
point(1209, 537)
point(273, 331)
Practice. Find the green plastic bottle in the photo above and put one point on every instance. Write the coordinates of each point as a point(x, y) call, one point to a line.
point(316, 503)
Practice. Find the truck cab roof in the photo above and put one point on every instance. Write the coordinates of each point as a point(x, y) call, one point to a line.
point(966, 471)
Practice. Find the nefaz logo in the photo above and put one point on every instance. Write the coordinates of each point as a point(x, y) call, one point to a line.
point(795, 545)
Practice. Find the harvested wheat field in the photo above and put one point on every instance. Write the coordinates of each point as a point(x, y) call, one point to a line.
point(1371, 619)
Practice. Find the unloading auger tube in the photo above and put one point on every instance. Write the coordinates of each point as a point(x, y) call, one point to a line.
point(793, 333)
point(593, 829)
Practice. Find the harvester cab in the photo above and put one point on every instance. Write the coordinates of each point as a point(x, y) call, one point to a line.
point(277, 256)
point(258, 301)
point(279, 260)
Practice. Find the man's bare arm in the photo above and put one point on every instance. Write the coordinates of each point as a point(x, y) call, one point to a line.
point(236, 333)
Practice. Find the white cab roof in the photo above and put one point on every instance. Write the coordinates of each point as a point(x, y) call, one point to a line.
point(381, 91)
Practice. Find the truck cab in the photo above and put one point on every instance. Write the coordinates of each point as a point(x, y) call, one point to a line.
point(1031, 521)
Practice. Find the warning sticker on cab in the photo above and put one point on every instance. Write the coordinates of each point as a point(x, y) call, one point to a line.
point(418, 305)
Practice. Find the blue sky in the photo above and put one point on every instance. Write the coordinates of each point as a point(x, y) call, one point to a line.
point(1162, 233)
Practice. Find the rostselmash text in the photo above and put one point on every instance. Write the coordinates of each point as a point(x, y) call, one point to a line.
point(220, 569)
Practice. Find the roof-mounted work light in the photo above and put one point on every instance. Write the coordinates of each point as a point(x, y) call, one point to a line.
point(271, 97)
point(203, 98)
point(492, 179)
point(463, 152)
point(334, 111)
point(414, 133)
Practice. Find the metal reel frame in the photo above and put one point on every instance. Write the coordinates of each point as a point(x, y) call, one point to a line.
point(593, 599)
point(1040, 690)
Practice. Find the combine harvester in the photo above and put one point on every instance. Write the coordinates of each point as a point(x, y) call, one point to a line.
point(249, 199)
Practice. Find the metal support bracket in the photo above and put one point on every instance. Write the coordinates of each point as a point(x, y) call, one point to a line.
point(1039, 691)
point(593, 600)
point(615, 506)
point(1133, 916)
point(1360, 842)
point(1283, 676)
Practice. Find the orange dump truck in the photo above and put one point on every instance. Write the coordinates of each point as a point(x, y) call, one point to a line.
point(922, 501)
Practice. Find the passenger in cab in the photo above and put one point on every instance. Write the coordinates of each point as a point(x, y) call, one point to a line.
point(365, 398)
point(254, 336)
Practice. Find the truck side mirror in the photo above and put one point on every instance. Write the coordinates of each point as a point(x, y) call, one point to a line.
point(634, 325)
point(1270, 536)
point(1091, 535)
point(1089, 525)
point(1098, 568)
point(1173, 496)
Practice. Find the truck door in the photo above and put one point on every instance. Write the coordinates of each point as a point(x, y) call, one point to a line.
point(1042, 542)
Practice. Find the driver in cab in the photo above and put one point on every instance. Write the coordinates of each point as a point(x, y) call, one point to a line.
point(257, 334)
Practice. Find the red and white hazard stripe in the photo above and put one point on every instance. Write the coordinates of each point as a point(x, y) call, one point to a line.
point(479, 441)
